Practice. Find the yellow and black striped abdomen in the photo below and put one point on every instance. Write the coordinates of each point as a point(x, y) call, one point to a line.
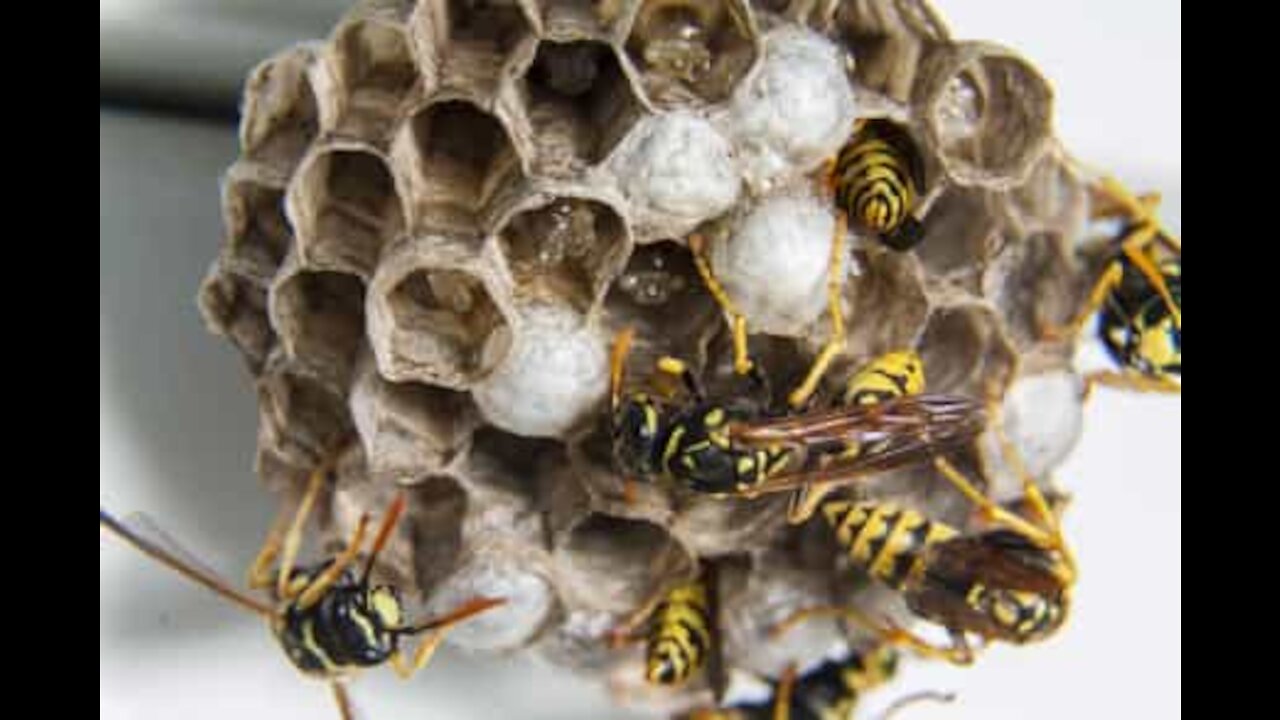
point(680, 637)
point(874, 183)
point(886, 540)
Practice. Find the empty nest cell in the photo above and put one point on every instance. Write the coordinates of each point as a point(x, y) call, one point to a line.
point(280, 116)
point(441, 320)
point(692, 51)
point(660, 294)
point(320, 318)
point(580, 104)
point(301, 420)
point(236, 308)
point(462, 156)
point(1034, 286)
point(510, 465)
point(614, 564)
point(408, 428)
point(568, 248)
point(347, 207)
point(887, 39)
point(378, 74)
point(887, 305)
point(437, 508)
point(987, 112)
point(961, 232)
point(965, 351)
point(258, 234)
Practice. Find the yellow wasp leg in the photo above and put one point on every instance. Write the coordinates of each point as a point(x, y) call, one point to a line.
point(438, 628)
point(293, 537)
point(1130, 381)
point(261, 574)
point(1135, 248)
point(343, 702)
point(993, 512)
point(782, 695)
point(1097, 296)
point(322, 582)
point(626, 633)
point(617, 363)
point(958, 652)
point(741, 359)
point(805, 502)
point(835, 343)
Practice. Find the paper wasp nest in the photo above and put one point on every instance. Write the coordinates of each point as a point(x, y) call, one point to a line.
point(443, 213)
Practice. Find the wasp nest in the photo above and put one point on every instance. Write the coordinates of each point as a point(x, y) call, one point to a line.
point(443, 213)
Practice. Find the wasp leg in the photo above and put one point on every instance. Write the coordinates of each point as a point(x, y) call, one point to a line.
point(617, 363)
point(1135, 248)
point(742, 363)
point(343, 701)
point(782, 695)
point(805, 502)
point(627, 632)
point(993, 512)
point(1097, 296)
point(835, 343)
point(437, 629)
point(958, 652)
point(1038, 504)
point(1130, 381)
point(676, 367)
point(261, 573)
point(915, 697)
point(292, 541)
point(320, 585)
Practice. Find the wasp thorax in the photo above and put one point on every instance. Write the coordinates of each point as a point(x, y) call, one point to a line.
point(636, 432)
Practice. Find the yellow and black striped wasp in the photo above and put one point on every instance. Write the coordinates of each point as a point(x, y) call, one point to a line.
point(876, 181)
point(1010, 581)
point(682, 635)
point(736, 448)
point(329, 622)
point(1137, 299)
point(830, 691)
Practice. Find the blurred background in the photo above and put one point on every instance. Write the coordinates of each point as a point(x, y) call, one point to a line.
point(177, 415)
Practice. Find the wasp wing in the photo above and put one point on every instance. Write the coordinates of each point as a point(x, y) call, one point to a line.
point(886, 436)
point(145, 535)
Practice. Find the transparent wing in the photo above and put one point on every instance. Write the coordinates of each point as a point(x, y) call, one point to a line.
point(146, 536)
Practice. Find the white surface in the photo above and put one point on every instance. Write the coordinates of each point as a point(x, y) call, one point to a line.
point(176, 438)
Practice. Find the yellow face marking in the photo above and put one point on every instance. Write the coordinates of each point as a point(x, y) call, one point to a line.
point(714, 417)
point(673, 444)
point(383, 604)
point(746, 464)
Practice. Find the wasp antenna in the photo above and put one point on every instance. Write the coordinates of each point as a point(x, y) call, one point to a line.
point(389, 522)
point(618, 361)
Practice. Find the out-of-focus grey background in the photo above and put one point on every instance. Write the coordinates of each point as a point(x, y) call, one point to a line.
point(177, 417)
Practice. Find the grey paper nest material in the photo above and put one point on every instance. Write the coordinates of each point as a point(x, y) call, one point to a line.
point(443, 213)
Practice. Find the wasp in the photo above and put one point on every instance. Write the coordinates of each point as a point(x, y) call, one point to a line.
point(1137, 299)
point(1010, 582)
point(876, 179)
point(829, 691)
point(737, 449)
point(682, 636)
point(329, 621)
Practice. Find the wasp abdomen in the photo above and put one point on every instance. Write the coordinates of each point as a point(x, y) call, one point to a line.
point(875, 178)
point(681, 635)
point(885, 539)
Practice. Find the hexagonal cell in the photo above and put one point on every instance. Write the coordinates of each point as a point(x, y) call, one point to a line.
point(887, 306)
point(579, 642)
point(1054, 199)
point(258, 234)
point(436, 314)
point(300, 418)
point(355, 495)
point(566, 248)
point(469, 40)
point(408, 428)
point(345, 206)
point(965, 351)
point(461, 157)
point(509, 466)
point(576, 19)
point(711, 527)
point(1034, 284)
point(961, 233)
point(754, 602)
point(987, 113)
point(320, 318)
point(377, 72)
point(691, 52)
point(580, 104)
point(280, 117)
point(660, 294)
point(888, 38)
point(438, 505)
point(613, 564)
point(235, 307)
point(1042, 416)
